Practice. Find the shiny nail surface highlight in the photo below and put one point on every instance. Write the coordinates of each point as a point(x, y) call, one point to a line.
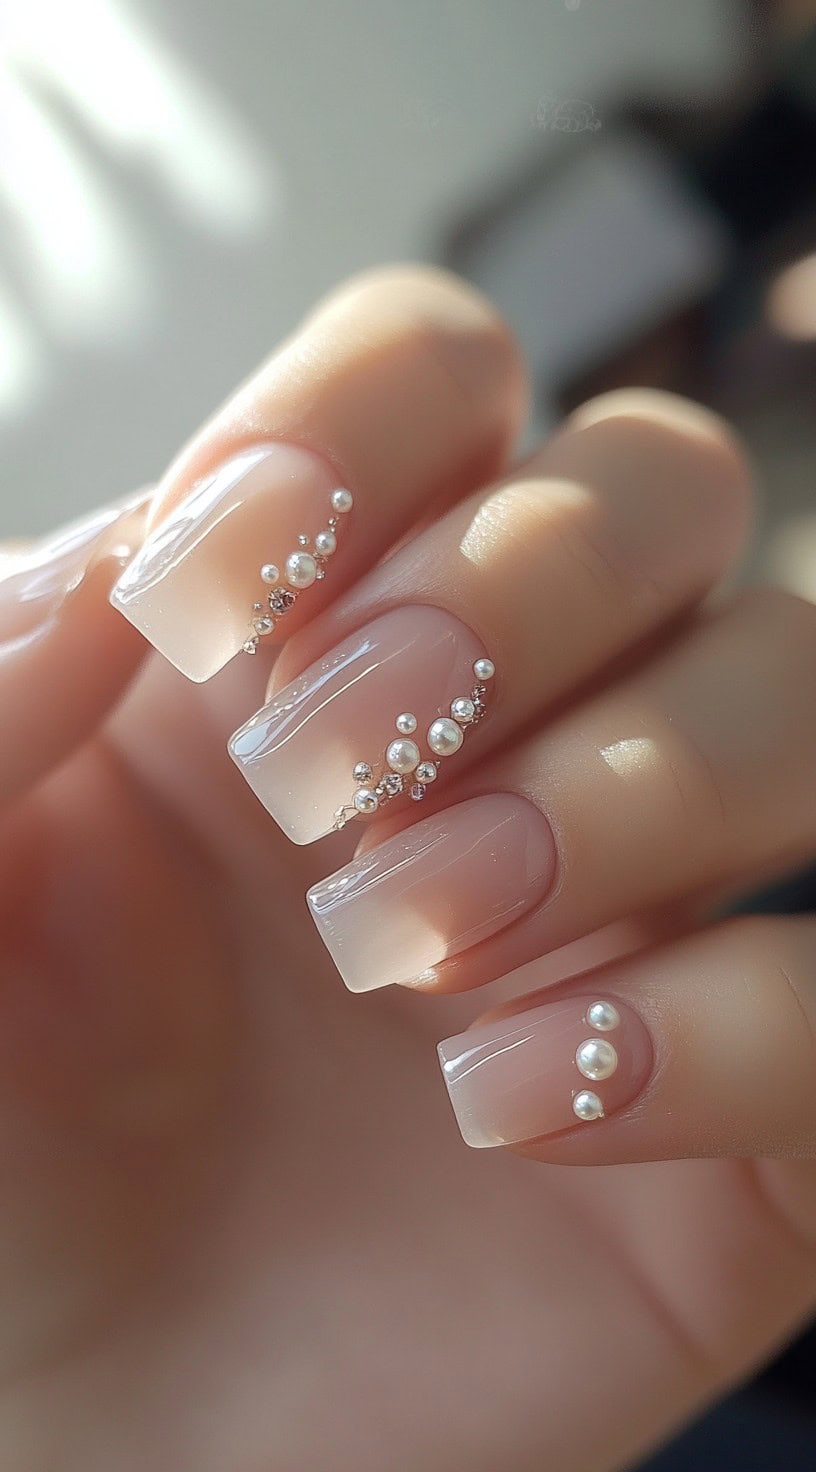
point(199, 588)
point(35, 581)
point(566, 1064)
point(434, 890)
point(381, 702)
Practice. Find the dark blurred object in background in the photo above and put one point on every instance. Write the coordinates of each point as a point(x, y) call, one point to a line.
point(677, 249)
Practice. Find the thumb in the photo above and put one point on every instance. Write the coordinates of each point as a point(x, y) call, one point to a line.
point(65, 655)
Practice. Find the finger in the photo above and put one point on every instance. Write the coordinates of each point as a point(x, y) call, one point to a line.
point(700, 1048)
point(65, 656)
point(402, 391)
point(630, 514)
point(694, 768)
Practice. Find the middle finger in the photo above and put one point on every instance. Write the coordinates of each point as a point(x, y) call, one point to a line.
point(629, 515)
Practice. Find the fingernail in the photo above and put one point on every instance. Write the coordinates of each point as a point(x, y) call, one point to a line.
point(35, 582)
point(564, 1065)
point(434, 890)
point(377, 720)
point(225, 566)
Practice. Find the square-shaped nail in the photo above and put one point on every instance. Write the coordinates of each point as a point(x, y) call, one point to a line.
point(378, 719)
point(434, 890)
point(225, 565)
point(564, 1064)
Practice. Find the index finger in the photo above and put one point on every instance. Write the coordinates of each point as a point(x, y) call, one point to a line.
point(402, 391)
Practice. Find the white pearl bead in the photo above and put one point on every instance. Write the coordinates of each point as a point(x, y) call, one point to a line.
point(264, 625)
point(325, 543)
point(484, 669)
point(445, 737)
point(270, 574)
point(406, 723)
point(365, 801)
point(603, 1016)
point(463, 710)
point(596, 1059)
point(425, 773)
point(301, 569)
point(587, 1105)
point(341, 499)
point(402, 756)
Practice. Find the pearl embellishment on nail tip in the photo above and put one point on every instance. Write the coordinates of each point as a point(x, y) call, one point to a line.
point(587, 1106)
point(445, 737)
point(301, 568)
point(403, 757)
point(603, 1016)
point(596, 1059)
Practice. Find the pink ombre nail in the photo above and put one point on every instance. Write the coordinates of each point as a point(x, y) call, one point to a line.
point(434, 890)
point(224, 566)
point(566, 1064)
point(381, 717)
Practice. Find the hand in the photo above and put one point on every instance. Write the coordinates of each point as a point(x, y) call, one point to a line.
point(240, 1229)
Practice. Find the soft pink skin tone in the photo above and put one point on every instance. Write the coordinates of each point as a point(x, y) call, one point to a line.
point(299, 751)
point(434, 889)
point(191, 588)
point(515, 1078)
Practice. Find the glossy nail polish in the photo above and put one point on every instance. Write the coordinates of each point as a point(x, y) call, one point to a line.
point(567, 1064)
point(225, 565)
point(378, 719)
point(36, 581)
point(434, 890)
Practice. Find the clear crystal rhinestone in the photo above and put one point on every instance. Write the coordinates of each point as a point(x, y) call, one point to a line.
point(362, 772)
point(426, 772)
point(463, 710)
point(393, 784)
point(303, 540)
point(251, 646)
point(418, 791)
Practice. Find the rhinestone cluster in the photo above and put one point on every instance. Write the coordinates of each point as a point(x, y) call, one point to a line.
point(403, 768)
point(302, 567)
point(596, 1059)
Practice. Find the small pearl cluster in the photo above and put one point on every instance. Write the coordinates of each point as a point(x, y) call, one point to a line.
point(596, 1058)
point(404, 767)
point(301, 568)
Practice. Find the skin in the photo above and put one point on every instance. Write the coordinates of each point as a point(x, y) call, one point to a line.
point(240, 1230)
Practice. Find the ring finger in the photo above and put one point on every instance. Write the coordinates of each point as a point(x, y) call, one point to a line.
point(685, 775)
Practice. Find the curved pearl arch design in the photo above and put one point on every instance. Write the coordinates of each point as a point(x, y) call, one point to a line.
point(596, 1059)
point(302, 568)
point(403, 758)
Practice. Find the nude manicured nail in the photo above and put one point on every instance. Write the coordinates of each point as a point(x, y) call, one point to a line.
point(35, 581)
point(434, 890)
point(379, 719)
point(564, 1065)
point(225, 565)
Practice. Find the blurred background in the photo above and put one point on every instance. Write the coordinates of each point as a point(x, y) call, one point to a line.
point(631, 180)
